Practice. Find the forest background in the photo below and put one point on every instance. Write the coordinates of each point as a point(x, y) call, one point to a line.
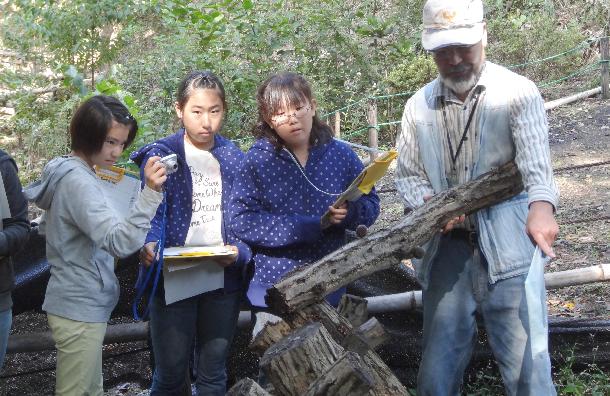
point(55, 53)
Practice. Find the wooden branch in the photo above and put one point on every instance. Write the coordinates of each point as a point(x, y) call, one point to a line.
point(378, 251)
point(247, 387)
point(298, 359)
point(349, 376)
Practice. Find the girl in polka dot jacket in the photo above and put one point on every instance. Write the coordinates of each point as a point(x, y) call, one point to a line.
point(197, 197)
point(290, 177)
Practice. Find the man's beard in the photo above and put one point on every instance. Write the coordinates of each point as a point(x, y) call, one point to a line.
point(462, 85)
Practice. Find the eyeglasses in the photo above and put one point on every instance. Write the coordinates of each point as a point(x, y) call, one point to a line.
point(284, 117)
point(446, 52)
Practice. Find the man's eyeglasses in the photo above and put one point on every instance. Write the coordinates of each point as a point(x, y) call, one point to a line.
point(284, 117)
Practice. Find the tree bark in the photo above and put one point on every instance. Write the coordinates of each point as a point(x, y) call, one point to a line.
point(269, 335)
point(247, 387)
point(384, 248)
point(353, 308)
point(386, 383)
point(349, 376)
point(298, 359)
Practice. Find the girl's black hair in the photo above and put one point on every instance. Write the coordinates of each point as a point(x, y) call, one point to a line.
point(278, 91)
point(199, 79)
point(92, 121)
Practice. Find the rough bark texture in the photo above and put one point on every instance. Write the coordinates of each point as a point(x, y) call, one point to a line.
point(386, 382)
point(369, 336)
point(349, 376)
point(269, 335)
point(354, 309)
point(298, 359)
point(384, 248)
point(247, 387)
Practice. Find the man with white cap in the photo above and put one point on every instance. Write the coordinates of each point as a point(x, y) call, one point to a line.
point(474, 117)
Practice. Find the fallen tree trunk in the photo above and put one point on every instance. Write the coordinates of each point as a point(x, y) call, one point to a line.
point(34, 342)
point(383, 249)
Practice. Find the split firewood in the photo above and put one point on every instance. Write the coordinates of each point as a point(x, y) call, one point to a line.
point(247, 387)
point(353, 308)
point(349, 375)
point(297, 360)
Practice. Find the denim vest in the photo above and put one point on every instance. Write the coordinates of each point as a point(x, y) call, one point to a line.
point(501, 228)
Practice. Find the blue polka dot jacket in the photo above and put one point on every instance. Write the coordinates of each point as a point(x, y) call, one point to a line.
point(179, 195)
point(277, 211)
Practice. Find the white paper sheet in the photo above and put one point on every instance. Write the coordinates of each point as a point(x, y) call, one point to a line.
point(204, 275)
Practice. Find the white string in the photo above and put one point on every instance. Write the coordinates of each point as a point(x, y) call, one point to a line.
point(305, 176)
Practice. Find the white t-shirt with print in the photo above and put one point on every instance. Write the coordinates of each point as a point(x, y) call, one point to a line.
point(206, 221)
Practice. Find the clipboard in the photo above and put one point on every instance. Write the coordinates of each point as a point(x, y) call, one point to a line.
point(121, 187)
point(364, 182)
point(193, 252)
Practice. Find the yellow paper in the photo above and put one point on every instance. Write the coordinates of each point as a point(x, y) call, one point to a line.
point(195, 252)
point(376, 170)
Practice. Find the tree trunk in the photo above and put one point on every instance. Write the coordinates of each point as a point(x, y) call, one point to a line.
point(384, 248)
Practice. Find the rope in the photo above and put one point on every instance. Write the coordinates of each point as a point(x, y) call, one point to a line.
point(156, 267)
point(577, 72)
point(582, 45)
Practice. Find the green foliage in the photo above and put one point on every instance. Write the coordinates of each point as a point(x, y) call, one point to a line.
point(412, 74)
point(78, 32)
point(516, 39)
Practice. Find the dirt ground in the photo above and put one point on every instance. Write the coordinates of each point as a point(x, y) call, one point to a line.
point(580, 146)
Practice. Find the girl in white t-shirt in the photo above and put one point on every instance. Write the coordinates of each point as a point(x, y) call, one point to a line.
point(202, 300)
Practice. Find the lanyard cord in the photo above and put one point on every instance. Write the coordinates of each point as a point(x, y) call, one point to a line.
point(305, 176)
point(155, 267)
point(477, 95)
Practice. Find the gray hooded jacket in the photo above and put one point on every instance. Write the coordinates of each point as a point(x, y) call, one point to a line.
point(83, 235)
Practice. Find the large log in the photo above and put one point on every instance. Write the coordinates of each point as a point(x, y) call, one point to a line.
point(297, 360)
point(270, 334)
point(348, 376)
point(117, 333)
point(381, 250)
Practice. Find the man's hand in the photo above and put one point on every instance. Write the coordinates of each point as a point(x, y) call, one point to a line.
point(226, 261)
point(337, 215)
point(542, 227)
point(147, 253)
point(452, 223)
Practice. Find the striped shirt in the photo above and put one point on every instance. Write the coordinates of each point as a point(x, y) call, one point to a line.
point(530, 134)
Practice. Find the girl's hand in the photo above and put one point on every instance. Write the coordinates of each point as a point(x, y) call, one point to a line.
point(337, 215)
point(154, 173)
point(147, 253)
point(226, 261)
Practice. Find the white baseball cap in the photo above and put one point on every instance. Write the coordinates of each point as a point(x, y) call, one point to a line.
point(452, 22)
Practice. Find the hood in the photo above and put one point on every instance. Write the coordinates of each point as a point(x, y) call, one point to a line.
point(41, 192)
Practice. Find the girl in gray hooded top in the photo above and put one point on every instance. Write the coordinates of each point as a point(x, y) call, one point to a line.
point(84, 235)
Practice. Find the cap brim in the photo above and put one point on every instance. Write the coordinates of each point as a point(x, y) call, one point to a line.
point(433, 39)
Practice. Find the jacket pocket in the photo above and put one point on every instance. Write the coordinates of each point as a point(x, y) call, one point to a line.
point(508, 249)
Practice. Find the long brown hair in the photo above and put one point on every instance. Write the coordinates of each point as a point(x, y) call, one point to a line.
point(286, 89)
